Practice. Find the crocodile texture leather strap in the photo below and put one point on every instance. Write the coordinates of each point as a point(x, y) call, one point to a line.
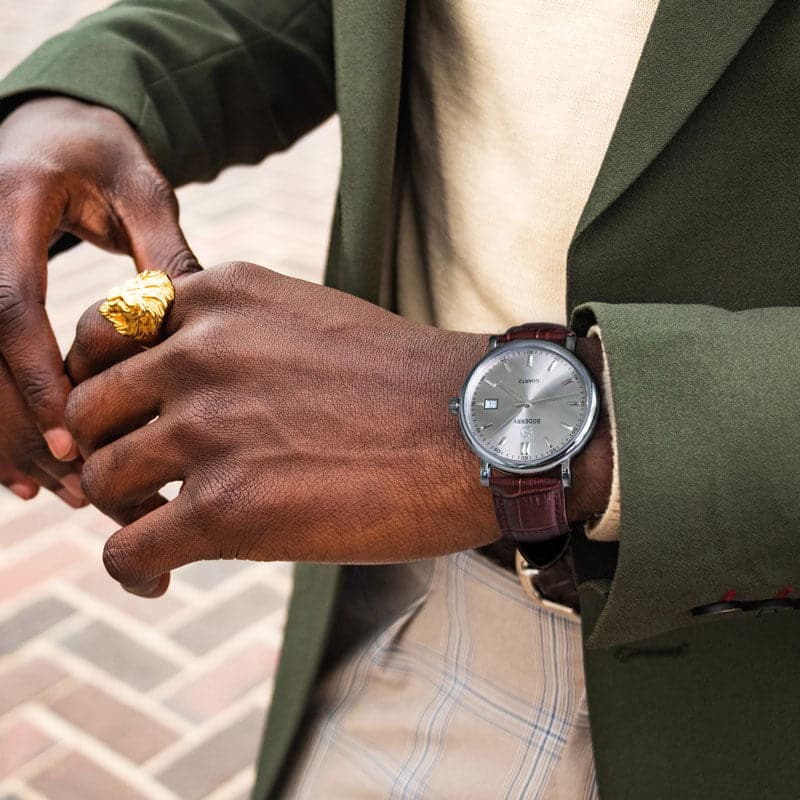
point(531, 508)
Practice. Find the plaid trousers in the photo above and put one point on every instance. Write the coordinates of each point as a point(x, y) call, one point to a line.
point(448, 683)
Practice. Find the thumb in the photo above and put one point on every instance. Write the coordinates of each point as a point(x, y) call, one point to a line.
point(148, 209)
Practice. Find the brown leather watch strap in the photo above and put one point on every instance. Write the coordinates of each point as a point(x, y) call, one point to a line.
point(529, 508)
point(548, 331)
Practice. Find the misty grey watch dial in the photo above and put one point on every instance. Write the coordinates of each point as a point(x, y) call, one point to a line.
point(527, 406)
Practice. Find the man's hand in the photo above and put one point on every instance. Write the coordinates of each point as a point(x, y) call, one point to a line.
point(305, 424)
point(65, 166)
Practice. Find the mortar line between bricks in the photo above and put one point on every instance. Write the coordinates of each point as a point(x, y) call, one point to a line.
point(20, 601)
point(87, 601)
point(42, 543)
point(146, 635)
point(99, 753)
point(201, 733)
point(242, 781)
point(38, 541)
point(72, 624)
point(21, 790)
point(52, 694)
point(210, 660)
point(87, 672)
point(40, 763)
point(210, 598)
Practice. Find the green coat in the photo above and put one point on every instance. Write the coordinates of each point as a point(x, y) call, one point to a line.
point(686, 255)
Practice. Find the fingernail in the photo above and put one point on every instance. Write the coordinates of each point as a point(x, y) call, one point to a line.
point(72, 483)
point(61, 444)
point(24, 490)
point(70, 499)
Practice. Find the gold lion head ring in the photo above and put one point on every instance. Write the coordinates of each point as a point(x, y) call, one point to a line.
point(137, 308)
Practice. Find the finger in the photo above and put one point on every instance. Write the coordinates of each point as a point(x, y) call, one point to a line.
point(23, 486)
point(123, 398)
point(149, 211)
point(97, 346)
point(157, 586)
point(166, 538)
point(67, 495)
point(27, 342)
point(127, 472)
point(66, 474)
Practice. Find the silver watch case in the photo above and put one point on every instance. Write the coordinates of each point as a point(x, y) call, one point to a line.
point(490, 459)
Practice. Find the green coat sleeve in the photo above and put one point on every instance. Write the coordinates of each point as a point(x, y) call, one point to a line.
point(206, 83)
point(706, 404)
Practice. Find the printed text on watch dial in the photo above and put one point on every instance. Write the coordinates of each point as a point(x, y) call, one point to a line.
point(528, 405)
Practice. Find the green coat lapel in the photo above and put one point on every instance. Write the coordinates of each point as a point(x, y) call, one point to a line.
point(369, 42)
point(691, 43)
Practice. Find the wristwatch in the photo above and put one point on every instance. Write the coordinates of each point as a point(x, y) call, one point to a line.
point(526, 409)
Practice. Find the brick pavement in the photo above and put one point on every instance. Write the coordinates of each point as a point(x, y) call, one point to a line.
point(103, 694)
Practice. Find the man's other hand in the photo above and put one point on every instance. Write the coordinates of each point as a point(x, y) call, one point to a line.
point(65, 167)
point(304, 423)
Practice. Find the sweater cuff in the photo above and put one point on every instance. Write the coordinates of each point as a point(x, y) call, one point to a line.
point(606, 528)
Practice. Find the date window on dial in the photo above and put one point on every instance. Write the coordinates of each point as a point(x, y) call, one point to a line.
point(491, 404)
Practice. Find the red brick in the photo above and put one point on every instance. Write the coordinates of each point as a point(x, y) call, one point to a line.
point(26, 681)
point(19, 744)
point(55, 559)
point(127, 730)
point(74, 777)
point(217, 688)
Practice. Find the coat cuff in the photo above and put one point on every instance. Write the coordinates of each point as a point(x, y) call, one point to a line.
point(707, 446)
point(606, 528)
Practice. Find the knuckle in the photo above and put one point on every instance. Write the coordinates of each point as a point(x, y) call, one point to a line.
point(87, 329)
point(180, 263)
point(94, 480)
point(235, 275)
point(205, 498)
point(75, 415)
point(37, 389)
point(13, 305)
point(146, 185)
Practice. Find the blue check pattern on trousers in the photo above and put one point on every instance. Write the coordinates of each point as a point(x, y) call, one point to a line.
point(462, 689)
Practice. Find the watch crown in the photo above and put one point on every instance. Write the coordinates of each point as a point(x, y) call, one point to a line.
point(453, 405)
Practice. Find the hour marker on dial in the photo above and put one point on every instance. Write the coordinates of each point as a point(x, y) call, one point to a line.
point(502, 442)
point(552, 364)
point(525, 449)
point(505, 364)
point(531, 358)
point(568, 380)
point(570, 428)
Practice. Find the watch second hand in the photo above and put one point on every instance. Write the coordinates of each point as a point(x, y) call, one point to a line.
point(553, 397)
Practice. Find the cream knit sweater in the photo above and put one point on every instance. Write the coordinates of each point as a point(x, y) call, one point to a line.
point(512, 106)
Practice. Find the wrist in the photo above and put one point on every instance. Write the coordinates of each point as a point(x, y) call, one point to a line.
point(466, 507)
